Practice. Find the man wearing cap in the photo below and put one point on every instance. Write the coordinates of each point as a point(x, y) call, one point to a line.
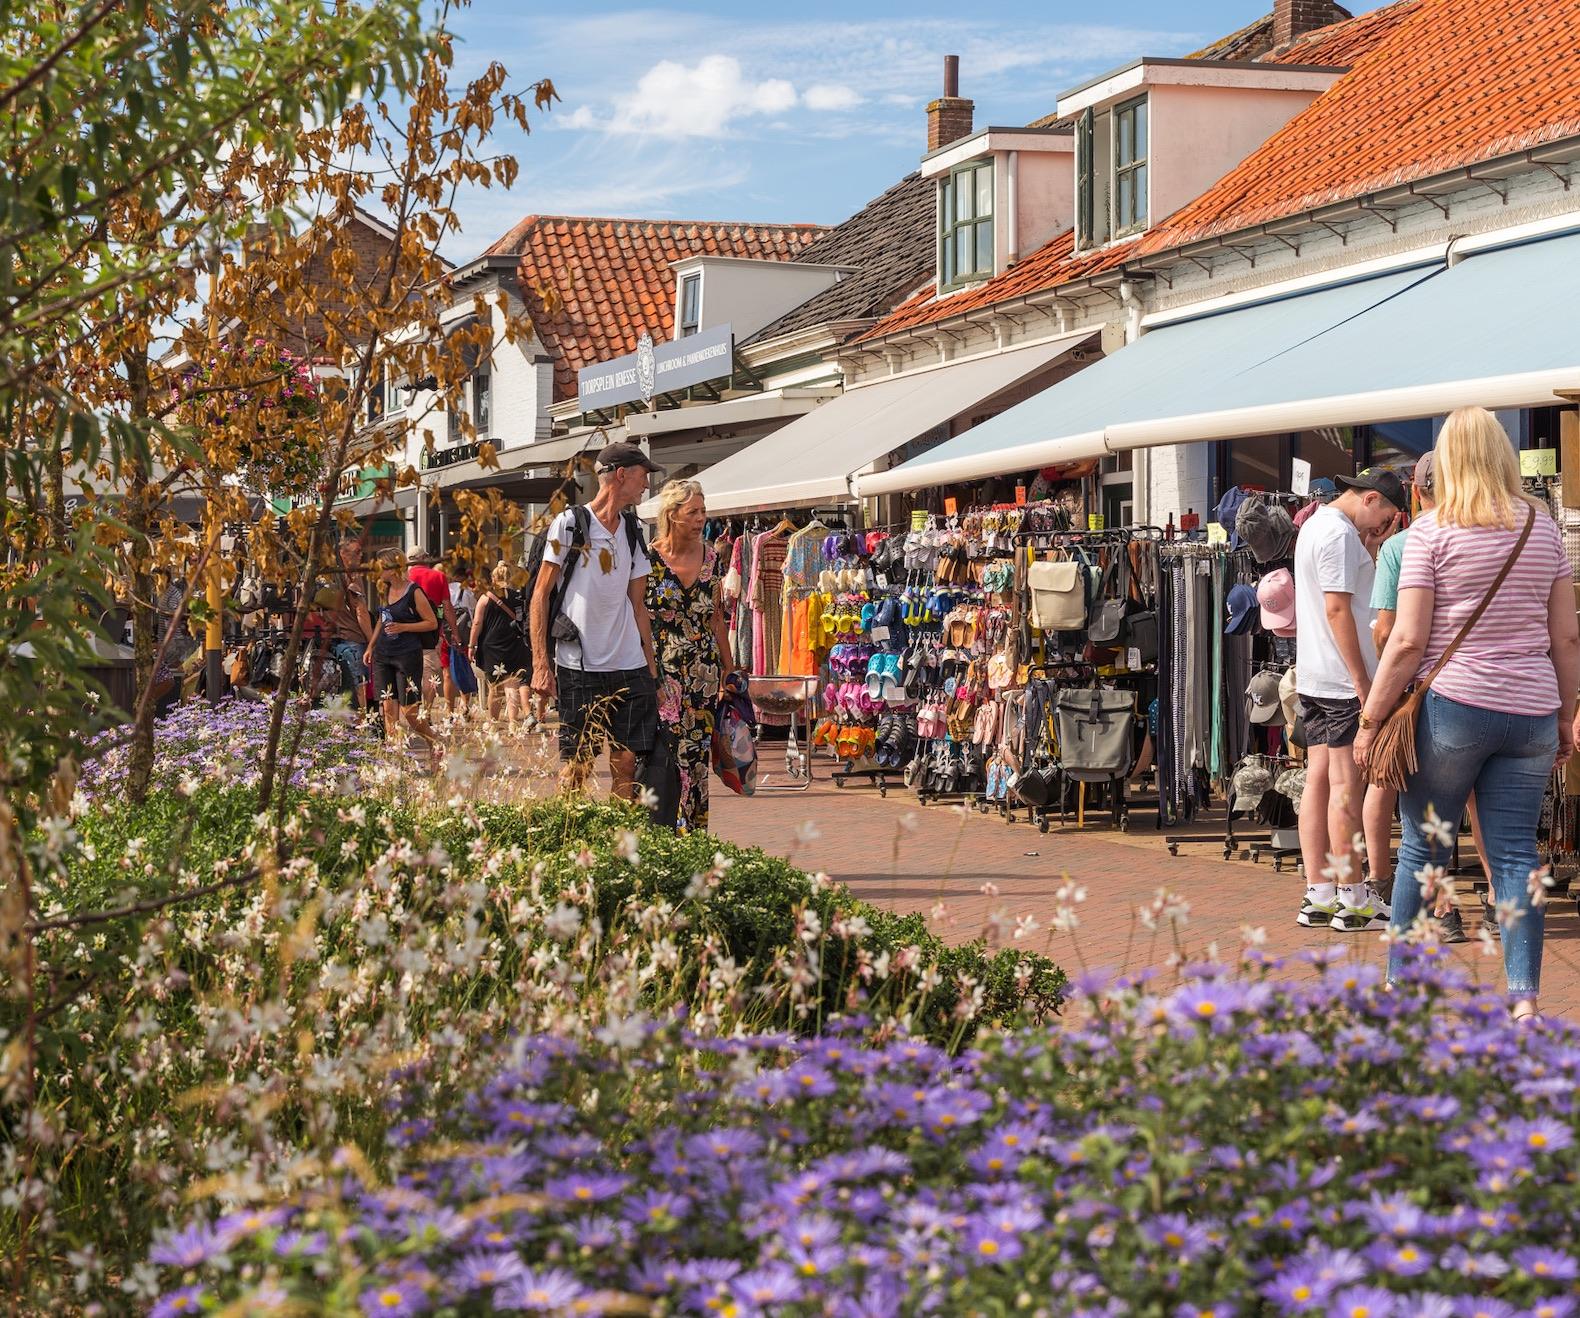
point(1334, 575)
point(601, 666)
point(1378, 813)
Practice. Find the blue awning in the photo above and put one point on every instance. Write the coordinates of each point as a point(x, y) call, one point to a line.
point(1496, 329)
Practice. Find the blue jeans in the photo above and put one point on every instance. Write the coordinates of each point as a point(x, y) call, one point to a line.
point(1506, 759)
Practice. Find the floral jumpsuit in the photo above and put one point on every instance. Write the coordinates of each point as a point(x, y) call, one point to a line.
point(689, 673)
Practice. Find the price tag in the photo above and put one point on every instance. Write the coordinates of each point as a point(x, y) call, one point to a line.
point(882, 580)
point(1095, 522)
point(1217, 533)
point(1300, 476)
point(1133, 659)
point(880, 634)
point(919, 519)
point(1020, 496)
point(1538, 462)
point(951, 507)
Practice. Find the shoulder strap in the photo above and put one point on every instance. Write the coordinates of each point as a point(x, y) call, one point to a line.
point(1497, 582)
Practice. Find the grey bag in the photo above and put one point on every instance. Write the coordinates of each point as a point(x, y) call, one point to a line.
point(1095, 726)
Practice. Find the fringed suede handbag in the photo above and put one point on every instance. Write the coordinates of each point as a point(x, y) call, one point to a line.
point(1393, 757)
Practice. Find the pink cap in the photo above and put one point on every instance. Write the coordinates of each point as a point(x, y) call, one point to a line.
point(1275, 593)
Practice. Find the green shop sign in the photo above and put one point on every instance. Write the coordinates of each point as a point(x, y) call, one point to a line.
point(354, 485)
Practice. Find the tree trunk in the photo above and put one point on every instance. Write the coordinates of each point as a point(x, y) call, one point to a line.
point(140, 588)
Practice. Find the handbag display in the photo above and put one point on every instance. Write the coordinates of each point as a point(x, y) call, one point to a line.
point(1058, 595)
point(1393, 756)
point(1095, 726)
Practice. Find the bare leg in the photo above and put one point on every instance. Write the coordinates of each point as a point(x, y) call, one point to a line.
point(391, 719)
point(419, 724)
point(622, 773)
point(1345, 798)
point(1377, 817)
point(1481, 851)
point(1314, 817)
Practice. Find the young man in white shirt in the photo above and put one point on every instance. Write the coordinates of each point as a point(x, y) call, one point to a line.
point(601, 667)
point(1334, 574)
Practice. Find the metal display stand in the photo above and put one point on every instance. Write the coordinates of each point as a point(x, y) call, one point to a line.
point(795, 697)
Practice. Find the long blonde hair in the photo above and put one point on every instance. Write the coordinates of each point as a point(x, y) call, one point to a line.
point(1475, 475)
point(675, 495)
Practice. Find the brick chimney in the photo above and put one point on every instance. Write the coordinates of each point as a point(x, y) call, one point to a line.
point(949, 117)
point(1293, 18)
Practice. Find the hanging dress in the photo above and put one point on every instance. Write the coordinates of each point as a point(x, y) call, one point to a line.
point(689, 674)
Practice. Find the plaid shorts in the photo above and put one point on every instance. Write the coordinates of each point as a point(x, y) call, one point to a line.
point(620, 706)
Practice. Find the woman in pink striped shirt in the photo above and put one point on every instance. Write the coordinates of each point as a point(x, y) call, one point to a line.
point(1501, 713)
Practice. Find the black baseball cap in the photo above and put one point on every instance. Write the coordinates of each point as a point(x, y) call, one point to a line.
point(612, 457)
point(1380, 479)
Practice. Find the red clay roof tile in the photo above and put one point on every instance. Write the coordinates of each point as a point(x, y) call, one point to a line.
point(593, 285)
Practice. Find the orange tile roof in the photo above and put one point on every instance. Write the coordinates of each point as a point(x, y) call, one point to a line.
point(592, 285)
point(1452, 82)
point(1340, 44)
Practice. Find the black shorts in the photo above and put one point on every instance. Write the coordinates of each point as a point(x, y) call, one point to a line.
point(619, 706)
point(1331, 722)
point(399, 676)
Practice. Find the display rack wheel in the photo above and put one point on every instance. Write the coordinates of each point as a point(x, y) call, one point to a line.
point(1228, 853)
point(1042, 825)
point(1174, 848)
point(883, 789)
point(839, 780)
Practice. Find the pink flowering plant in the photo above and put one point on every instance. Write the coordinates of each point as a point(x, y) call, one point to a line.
point(1236, 1142)
point(264, 391)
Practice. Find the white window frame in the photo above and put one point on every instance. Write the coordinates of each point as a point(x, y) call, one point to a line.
point(951, 223)
point(1138, 166)
point(483, 424)
point(692, 279)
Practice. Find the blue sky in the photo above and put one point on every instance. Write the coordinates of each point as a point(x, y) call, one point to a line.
point(804, 112)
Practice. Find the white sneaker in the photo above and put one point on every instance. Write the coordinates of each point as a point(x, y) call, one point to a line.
point(1370, 913)
point(1317, 915)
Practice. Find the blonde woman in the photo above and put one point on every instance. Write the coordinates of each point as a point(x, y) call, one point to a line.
point(690, 639)
point(1502, 711)
point(395, 653)
point(500, 644)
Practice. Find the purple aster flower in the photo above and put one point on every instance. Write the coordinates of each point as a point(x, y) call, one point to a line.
point(1424, 1304)
point(1209, 1002)
point(816, 1261)
point(393, 1299)
point(1352, 1123)
point(1548, 1264)
point(189, 1247)
point(1298, 1290)
point(483, 1268)
point(656, 1208)
point(1553, 1306)
point(599, 1232)
point(238, 1226)
point(1223, 1309)
point(1483, 1306)
point(1541, 1134)
point(808, 1080)
point(307, 1244)
point(586, 1188)
point(1468, 1263)
point(1400, 1258)
point(653, 1276)
point(987, 1245)
point(811, 1230)
point(773, 1283)
point(1175, 1235)
point(178, 1304)
point(725, 1143)
point(1361, 1302)
point(545, 1291)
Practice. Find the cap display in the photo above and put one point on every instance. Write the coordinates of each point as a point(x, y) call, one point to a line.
point(612, 457)
point(1267, 528)
point(1242, 609)
point(1251, 782)
point(1227, 513)
point(1261, 697)
point(1291, 783)
point(1381, 480)
point(1288, 699)
point(1275, 593)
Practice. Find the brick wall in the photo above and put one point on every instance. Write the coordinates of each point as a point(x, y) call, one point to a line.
point(1291, 18)
point(301, 327)
point(948, 120)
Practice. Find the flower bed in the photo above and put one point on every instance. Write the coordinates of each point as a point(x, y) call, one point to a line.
point(200, 743)
point(1225, 1146)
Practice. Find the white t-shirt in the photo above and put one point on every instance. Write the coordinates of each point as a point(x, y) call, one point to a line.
point(462, 598)
point(1330, 557)
point(597, 599)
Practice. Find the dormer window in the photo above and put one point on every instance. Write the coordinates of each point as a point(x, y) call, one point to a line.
point(1111, 196)
point(965, 225)
point(690, 304)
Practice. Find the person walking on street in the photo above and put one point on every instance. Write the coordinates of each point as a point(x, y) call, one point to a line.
point(1500, 713)
point(395, 652)
point(1334, 575)
point(592, 647)
point(426, 573)
point(1377, 815)
point(690, 639)
point(350, 626)
point(499, 641)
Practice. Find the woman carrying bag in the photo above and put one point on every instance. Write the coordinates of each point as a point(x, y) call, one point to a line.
point(1486, 624)
point(499, 642)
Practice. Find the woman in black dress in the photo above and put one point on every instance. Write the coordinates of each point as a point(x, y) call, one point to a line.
point(499, 641)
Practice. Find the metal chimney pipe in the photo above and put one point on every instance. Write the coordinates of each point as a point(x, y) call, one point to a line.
point(951, 75)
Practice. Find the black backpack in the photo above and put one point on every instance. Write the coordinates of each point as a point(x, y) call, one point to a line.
point(581, 534)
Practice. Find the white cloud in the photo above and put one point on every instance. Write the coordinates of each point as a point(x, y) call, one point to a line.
point(674, 100)
point(830, 96)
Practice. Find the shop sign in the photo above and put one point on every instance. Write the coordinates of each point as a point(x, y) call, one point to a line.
point(1538, 462)
point(918, 519)
point(432, 459)
point(657, 369)
point(353, 485)
point(1299, 477)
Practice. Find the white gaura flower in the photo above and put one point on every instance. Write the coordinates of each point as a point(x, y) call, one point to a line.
point(563, 922)
point(627, 848)
point(1437, 831)
point(806, 832)
point(625, 1033)
point(374, 931)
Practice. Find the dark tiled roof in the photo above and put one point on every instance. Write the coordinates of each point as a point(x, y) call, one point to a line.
point(592, 286)
point(890, 244)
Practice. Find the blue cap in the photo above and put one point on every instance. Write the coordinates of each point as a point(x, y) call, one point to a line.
point(1243, 610)
point(1228, 510)
point(1323, 488)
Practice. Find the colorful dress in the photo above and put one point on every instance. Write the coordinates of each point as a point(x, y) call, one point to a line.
point(689, 674)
